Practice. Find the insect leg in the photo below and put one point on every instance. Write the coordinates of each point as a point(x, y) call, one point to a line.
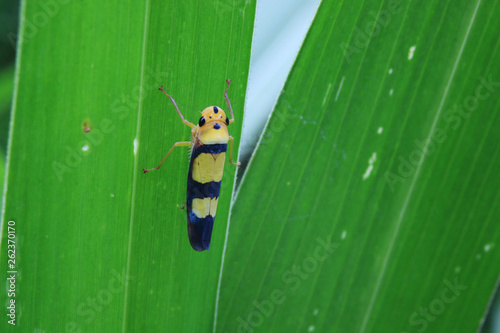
point(177, 108)
point(177, 144)
point(229, 103)
point(231, 153)
point(183, 205)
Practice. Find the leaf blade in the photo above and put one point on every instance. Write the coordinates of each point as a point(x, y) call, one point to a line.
point(324, 176)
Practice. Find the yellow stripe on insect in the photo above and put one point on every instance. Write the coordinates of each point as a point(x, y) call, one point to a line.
point(205, 207)
point(208, 168)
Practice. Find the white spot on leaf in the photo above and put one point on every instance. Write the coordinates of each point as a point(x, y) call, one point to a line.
point(327, 93)
point(340, 87)
point(136, 146)
point(85, 148)
point(371, 161)
point(411, 52)
point(380, 130)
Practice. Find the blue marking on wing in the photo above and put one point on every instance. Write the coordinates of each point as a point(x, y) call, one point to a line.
point(208, 149)
point(200, 231)
point(196, 190)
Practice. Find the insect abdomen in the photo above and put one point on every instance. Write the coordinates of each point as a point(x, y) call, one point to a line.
point(204, 179)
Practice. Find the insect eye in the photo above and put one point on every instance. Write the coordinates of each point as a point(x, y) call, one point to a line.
point(202, 121)
point(227, 121)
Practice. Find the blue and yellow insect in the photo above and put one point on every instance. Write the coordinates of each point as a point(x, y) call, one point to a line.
point(208, 153)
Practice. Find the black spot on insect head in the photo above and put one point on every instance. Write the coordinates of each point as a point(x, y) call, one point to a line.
point(216, 110)
point(202, 121)
point(227, 121)
point(216, 126)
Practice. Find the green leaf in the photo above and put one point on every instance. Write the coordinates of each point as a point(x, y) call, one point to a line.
point(101, 247)
point(372, 202)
